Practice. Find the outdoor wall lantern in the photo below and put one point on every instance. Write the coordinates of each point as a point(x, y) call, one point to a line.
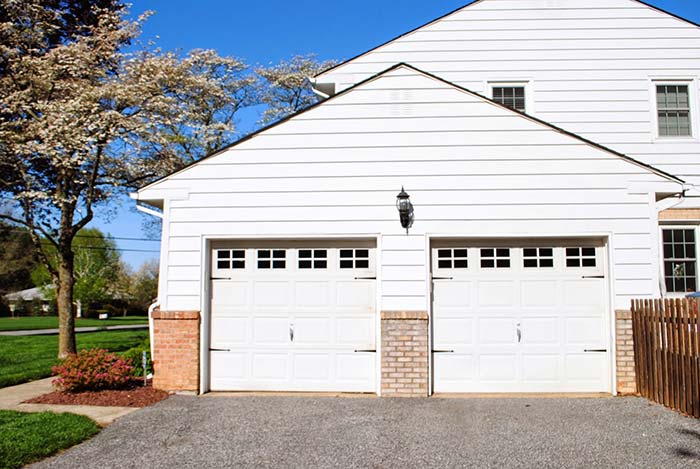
point(405, 207)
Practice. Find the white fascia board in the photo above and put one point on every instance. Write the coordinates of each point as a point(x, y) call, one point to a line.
point(645, 187)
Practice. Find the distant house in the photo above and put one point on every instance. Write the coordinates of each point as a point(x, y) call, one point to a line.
point(550, 149)
point(31, 297)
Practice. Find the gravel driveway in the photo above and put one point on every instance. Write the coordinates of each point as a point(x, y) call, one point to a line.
point(280, 431)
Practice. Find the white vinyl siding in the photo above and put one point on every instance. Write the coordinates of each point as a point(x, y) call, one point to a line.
point(470, 166)
point(589, 64)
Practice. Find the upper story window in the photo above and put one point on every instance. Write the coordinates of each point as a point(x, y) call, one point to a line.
point(673, 110)
point(510, 96)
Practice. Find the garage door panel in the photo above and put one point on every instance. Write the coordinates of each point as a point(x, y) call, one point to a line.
point(540, 331)
point(312, 294)
point(230, 296)
point(229, 331)
point(227, 366)
point(584, 366)
point(496, 293)
point(270, 330)
point(270, 366)
point(312, 330)
point(355, 294)
point(498, 367)
point(312, 366)
point(582, 294)
point(357, 331)
point(497, 331)
point(267, 294)
point(533, 317)
point(453, 331)
point(452, 293)
point(541, 368)
point(356, 368)
point(585, 331)
point(456, 370)
point(291, 318)
point(538, 293)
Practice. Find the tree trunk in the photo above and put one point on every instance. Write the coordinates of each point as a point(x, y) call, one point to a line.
point(64, 299)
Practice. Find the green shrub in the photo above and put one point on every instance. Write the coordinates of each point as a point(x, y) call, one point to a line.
point(135, 356)
point(92, 370)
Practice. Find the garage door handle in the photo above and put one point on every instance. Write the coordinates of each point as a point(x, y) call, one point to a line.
point(443, 351)
point(365, 278)
point(219, 349)
point(595, 350)
point(442, 278)
point(593, 276)
point(365, 350)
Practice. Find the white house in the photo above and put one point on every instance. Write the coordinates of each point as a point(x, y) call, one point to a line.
point(549, 151)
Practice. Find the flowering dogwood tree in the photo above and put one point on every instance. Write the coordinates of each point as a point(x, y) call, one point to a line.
point(81, 120)
point(286, 88)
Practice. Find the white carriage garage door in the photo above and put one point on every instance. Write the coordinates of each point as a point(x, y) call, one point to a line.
point(293, 316)
point(520, 317)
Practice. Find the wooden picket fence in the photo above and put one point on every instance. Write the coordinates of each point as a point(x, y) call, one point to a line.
point(667, 352)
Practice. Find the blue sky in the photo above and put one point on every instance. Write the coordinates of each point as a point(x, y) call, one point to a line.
point(263, 32)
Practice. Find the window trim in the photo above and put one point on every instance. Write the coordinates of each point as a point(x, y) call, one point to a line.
point(693, 106)
point(526, 84)
point(662, 260)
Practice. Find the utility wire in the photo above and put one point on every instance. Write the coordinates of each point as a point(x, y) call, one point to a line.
point(101, 237)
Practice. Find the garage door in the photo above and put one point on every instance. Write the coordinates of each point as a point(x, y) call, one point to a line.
point(289, 316)
point(520, 317)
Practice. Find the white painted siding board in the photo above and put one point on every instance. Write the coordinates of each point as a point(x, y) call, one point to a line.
point(382, 198)
point(388, 212)
point(403, 258)
point(396, 169)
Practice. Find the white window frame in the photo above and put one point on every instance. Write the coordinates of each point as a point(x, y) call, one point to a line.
point(662, 269)
point(527, 84)
point(692, 84)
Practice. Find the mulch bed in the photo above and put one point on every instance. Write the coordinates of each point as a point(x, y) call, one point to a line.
point(135, 395)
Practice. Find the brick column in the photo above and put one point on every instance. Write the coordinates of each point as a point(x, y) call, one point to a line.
point(624, 352)
point(176, 350)
point(404, 353)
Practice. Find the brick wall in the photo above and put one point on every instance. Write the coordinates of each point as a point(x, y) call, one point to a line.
point(624, 352)
point(404, 353)
point(176, 350)
point(680, 214)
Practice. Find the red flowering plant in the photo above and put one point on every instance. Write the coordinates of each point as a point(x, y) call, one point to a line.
point(92, 370)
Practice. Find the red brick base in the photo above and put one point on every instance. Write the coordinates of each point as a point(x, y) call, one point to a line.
point(404, 353)
point(624, 353)
point(176, 350)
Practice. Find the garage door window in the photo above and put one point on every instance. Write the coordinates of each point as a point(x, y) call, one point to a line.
point(452, 258)
point(498, 258)
point(313, 258)
point(354, 258)
point(580, 257)
point(538, 257)
point(230, 259)
point(272, 259)
point(679, 260)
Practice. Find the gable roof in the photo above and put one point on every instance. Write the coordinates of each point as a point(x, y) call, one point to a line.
point(362, 54)
point(446, 82)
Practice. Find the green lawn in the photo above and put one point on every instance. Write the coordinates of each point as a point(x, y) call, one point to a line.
point(25, 437)
point(51, 322)
point(25, 358)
